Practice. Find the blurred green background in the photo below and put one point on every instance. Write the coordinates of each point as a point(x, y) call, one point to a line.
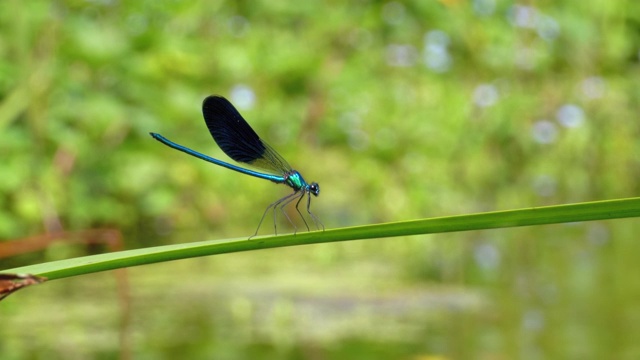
point(399, 109)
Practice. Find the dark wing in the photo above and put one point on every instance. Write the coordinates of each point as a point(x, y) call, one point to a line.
point(237, 139)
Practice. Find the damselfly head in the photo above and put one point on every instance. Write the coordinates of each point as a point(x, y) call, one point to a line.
point(314, 188)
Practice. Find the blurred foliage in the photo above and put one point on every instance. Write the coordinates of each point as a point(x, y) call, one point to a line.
point(398, 109)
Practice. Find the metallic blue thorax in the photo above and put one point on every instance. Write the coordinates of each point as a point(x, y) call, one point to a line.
point(295, 180)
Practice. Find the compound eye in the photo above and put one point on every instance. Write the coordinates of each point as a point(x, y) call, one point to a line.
point(314, 188)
